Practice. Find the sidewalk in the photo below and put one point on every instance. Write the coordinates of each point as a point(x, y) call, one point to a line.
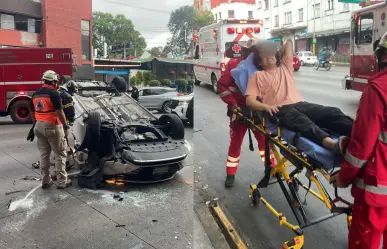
point(201, 240)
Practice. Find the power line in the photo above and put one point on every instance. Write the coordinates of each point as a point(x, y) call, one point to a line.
point(140, 7)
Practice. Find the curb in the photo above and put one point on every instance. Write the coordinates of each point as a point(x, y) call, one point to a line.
point(209, 224)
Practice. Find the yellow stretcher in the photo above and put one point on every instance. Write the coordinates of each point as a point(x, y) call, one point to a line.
point(287, 155)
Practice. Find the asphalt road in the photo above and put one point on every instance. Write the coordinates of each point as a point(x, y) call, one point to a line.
point(257, 226)
point(149, 216)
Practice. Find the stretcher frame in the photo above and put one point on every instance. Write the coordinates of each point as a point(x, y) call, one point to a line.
point(287, 155)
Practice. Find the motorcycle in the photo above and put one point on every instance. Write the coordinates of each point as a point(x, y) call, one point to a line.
point(323, 64)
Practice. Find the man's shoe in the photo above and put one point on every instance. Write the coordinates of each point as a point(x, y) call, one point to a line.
point(229, 181)
point(47, 185)
point(66, 185)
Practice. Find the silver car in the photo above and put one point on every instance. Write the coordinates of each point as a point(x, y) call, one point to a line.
point(157, 98)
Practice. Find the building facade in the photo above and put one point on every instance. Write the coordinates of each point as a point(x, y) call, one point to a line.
point(328, 20)
point(51, 24)
point(229, 9)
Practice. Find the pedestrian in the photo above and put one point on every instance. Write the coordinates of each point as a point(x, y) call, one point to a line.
point(233, 97)
point(365, 162)
point(51, 129)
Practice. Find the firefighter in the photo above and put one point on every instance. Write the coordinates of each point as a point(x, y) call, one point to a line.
point(230, 94)
point(66, 92)
point(51, 129)
point(365, 162)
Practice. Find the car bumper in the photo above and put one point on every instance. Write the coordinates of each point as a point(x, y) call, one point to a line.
point(181, 111)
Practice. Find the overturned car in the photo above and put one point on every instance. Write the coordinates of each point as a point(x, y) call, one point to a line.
point(116, 138)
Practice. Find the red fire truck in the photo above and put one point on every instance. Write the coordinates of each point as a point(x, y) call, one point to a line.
point(21, 70)
point(367, 27)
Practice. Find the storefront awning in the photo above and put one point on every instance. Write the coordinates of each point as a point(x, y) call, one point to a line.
point(287, 30)
point(324, 33)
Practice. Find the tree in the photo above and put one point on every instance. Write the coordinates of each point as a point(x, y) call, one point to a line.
point(158, 51)
point(139, 77)
point(116, 30)
point(181, 24)
point(133, 80)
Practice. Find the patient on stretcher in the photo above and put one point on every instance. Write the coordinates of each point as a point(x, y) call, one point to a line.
point(275, 86)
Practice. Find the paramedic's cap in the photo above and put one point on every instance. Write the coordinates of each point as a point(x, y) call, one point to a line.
point(50, 76)
point(382, 46)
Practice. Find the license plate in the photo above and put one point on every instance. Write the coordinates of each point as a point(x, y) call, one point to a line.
point(160, 170)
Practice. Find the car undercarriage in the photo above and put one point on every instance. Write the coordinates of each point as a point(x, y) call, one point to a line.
point(118, 139)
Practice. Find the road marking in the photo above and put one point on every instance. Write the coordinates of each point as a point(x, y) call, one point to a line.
point(229, 230)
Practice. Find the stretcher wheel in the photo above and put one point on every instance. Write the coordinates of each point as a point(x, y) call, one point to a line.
point(255, 195)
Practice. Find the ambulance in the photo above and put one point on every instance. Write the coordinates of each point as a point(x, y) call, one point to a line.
point(367, 27)
point(212, 41)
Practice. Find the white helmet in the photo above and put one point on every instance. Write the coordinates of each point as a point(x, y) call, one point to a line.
point(50, 76)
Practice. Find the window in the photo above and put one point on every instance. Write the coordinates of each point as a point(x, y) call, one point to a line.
point(267, 24)
point(250, 14)
point(288, 17)
point(266, 4)
point(364, 29)
point(32, 25)
point(260, 5)
point(275, 3)
point(231, 14)
point(216, 17)
point(85, 33)
point(345, 7)
point(330, 4)
point(301, 15)
point(7, 21)
point(276, 21)
point(220, 15)
point(316, 11)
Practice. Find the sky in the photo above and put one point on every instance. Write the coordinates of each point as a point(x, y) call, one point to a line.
point(150, 17)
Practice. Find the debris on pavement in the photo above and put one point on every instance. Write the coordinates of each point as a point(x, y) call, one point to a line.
point(31, 178)
point(118, 225)
point(14, 192)
point(154, 220)
point(36, 165)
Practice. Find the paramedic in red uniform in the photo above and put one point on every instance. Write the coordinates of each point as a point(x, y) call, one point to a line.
point(51, 129)
point(365, 164)
point(230, 94)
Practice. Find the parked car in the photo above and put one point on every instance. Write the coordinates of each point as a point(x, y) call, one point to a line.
point(181, 107)
point(296, 63)
point(307, 58)
point(157, 98)
point(118, 139)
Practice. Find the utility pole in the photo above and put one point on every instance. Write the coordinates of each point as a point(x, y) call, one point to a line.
point(314, 27)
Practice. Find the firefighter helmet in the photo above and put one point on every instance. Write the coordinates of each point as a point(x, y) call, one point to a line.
point(71, 87)
point(50, 76)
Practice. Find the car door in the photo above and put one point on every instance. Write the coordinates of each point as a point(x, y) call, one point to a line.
point(145, 98)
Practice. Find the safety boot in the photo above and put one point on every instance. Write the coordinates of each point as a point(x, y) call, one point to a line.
point(67, 184)
point(47, 185)
point(229, 181)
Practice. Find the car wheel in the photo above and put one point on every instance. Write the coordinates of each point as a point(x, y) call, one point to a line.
point(214, 82)
point(190, 112)
point(172, 126)
point(296, 69)
point(92, 136)
point(166, 107)
point(197, 82)
point(21, 113)
point(302, 63)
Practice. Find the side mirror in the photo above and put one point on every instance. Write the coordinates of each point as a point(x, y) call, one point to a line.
point(196, 57)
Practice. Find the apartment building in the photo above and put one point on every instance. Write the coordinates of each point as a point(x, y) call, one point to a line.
point(299, 20)
point(51, 24)
point(229, 9)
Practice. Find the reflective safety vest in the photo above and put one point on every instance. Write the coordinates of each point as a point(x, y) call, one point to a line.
point(43, 106)
point(365, 164)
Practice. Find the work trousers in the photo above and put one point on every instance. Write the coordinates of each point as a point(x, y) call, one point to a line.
point(369, 225)
point(51, 137)
point(237, 134)
point(311, 120)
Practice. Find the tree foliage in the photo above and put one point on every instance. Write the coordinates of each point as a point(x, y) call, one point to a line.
point(181, 24)
point(116, 30)
point(158, 51)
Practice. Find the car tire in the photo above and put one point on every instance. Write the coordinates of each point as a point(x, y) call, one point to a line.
point(173, 126)
point(296, 69)
point(190, 112)
point(120, 84)
point(166, 105)
point(214, 82)
point(302, 63)
point(197, 83)
point(16, 109)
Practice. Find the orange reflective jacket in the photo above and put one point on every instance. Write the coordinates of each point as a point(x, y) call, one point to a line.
point(43, 106)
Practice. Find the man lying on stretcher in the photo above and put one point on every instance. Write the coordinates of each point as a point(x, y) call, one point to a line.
point(275, 85)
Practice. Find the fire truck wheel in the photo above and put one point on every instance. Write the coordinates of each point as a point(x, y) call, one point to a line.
point(214, 82)
point(20, 112)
